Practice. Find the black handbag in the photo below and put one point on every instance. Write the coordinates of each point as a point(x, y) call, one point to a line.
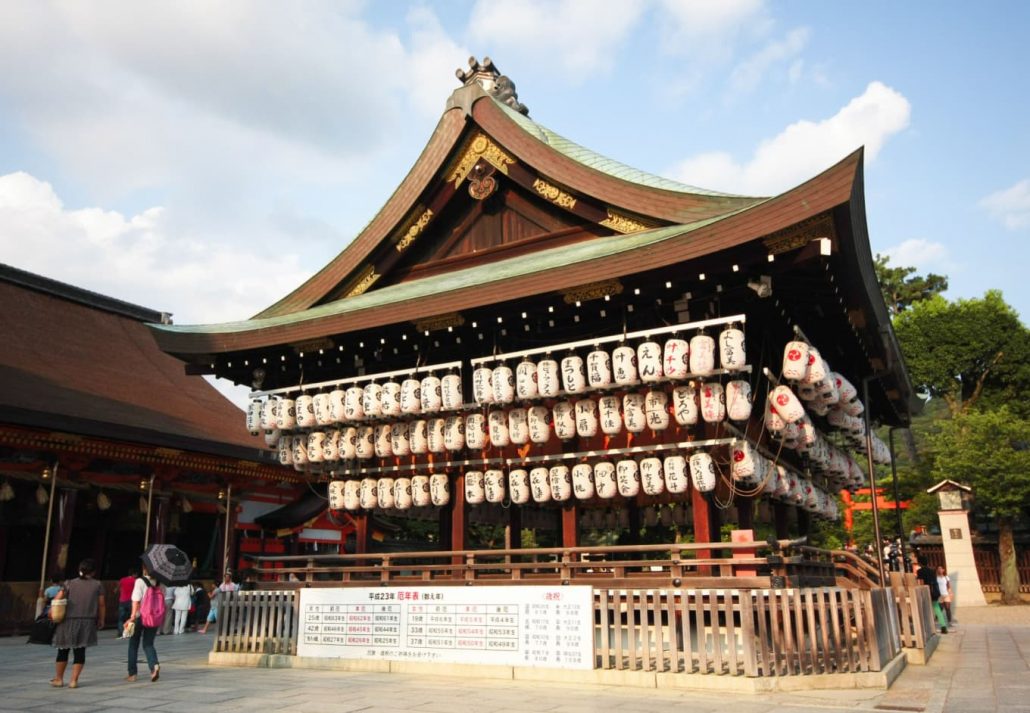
point(42, 631)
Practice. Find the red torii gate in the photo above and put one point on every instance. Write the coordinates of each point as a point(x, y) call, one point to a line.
point(850, 504)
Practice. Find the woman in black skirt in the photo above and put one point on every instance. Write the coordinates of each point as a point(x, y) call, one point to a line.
point(84, 615)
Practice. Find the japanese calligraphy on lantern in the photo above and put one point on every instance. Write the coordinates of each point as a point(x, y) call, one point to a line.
point(550, 627)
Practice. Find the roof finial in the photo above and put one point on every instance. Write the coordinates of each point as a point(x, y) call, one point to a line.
point(493, 82)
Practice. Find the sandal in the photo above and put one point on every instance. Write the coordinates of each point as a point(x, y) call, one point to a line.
point(73, 684)
point(156, 673)
point(131, 679)
point(56, 682)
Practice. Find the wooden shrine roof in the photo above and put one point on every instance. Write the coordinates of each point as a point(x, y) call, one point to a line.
point(82, 363)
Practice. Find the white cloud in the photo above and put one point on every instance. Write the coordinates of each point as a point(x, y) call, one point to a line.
point(804, 148)
point(701, 21)
point(748, 74)
point(578, 36)
point(924, 255)
point(1010, 206)
point(136, 258)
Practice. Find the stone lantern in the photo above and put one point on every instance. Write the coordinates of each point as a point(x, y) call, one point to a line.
point(955, 501)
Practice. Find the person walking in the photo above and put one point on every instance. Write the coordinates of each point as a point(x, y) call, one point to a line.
point(226, 587)
point(125, 585)
point(137, 632)
point(182, 600)
point(928, 576)
point(83, 616)
point(944, 586)
point(168, 623)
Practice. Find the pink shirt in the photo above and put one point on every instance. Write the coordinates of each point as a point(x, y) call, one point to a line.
point(125, 589)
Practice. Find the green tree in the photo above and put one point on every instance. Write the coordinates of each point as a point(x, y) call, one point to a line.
point(990, 451)
point(901, 289)
point(966, 351)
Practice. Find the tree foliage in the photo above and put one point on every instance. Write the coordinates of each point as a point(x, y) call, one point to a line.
point(966, 350)
point(901, 288)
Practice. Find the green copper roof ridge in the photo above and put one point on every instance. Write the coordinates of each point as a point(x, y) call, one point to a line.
point(598, 162)
point(461, 279)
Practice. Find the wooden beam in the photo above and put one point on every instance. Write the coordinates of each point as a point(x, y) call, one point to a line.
point(570, 526)
point(458, 513)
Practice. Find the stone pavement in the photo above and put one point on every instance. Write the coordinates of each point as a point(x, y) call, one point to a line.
point(979, 667)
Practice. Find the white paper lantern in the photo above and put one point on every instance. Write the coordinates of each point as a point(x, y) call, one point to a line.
point(383, 440)
point(684, 405)
point(781, 481)
point(854, 407)
point(573, 374)
point(337, 405)
point(774, 423)
point(525, 380)
point(649, 362)
point(420, 491)
point(795, 360)
point(548, 377)
point(838, 418)
point(353, 404)
point(402, 499)
point(497, 423)
point(272, 437)
point(411, 396)
point(483, 385)
point(418, 434)
point(315, 446)
point(384, 492)
point(627, 476)
point(817, 368)
point(633, 415)
point(348, 443)
point(564, 420)
point(254, 417)
point(713, 402)
point(431, 393)
point(651, 476)
point(285, 447)
point(818, 408)
point(539, 485)
point(305, 409)
point(586, 418)
point(439, 489)
point(503, 381)
point(323, 406)
point(286, 415)
point(738, 400)
point(675, 470)
point(372, 400)
point(400, 441)
point(609, 415)
point(676, 358)
point(656, 408)
point(808, 433)
point(268, 415)
point(391, 399)
point(518, 426)
point(604, 480)
point(786, 404)
point(450, 392)
point(475, 431)
point(743, 462)
point(368, 496)
point(806, 392)
point(624, 365)
point(560, 480)
point(539, 418)
point(350, 499)
point(702, 472)
point(434, 435)
point(732, 356)
point(599, 369)
point(331, 445)
point(493, 485)
point(454, 433)
point(583, 481)
point(518, 486)
point(702, 355)
point(475, 493)
point(365, 444)
point(300, 450)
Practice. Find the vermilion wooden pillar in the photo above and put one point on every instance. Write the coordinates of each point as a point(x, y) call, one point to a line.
point(362, 532)
point(458, 514)
point(699, 507)
point(569, 526)
point(159, 520)
point(61, 534)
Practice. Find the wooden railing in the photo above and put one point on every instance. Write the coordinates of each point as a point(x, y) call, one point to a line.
point(257, 622)
point(744, 632)
point(915, 610)
point(703, 565)
point(846, 566)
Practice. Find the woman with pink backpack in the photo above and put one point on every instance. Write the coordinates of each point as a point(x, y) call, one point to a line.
point(148, 612)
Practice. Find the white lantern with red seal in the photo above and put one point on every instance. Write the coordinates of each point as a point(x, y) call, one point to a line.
point(624, 365)
point(738, 400)
point(627, 476)
point(497, 423)
point(573, 374)
point(817, 368)
point(518, 486)
point(475, 493)
point(651, 476)
point(599, 369)
point(743, 462)
point(604, 480)
point(525, 380)
point(795, 360)
point(702, 355)
point(676, 358)
point(539, 485)
point(713, 402)
point(539, 419)
point(649, 362)
point(503, 382)
point(493, 485)
point(583, 481)
point(548, 378)
point(786, 404)
point(609, 415)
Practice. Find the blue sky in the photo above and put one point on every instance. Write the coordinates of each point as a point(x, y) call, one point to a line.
point(205, 158)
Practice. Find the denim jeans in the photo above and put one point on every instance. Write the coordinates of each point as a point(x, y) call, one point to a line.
point(147, 633)
point(124, 612)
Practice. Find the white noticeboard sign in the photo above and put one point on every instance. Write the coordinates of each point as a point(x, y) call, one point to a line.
point(514, 626)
